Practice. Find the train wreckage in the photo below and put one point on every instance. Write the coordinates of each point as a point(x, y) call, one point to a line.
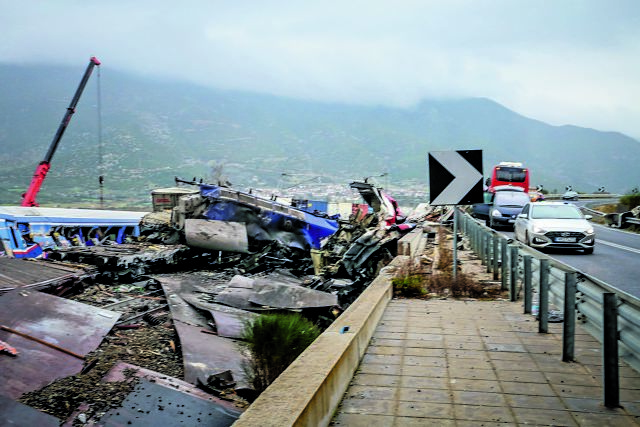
point(203, 263)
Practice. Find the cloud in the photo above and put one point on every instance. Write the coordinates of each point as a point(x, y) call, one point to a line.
point(563, 62)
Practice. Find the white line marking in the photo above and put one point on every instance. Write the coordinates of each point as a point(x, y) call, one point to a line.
point(615, 245)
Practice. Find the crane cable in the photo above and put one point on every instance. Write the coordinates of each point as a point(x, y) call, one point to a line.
point(100, 161)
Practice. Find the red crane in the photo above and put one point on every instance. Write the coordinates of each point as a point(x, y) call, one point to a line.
point(29, 198)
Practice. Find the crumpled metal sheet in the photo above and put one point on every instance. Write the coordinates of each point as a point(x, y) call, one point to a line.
point(13, 413)
point(39, 274)
point(71, 325)
point(204, 354)
point(158, 400)
point(229, 321)
point(271, 293)
point(216, 235)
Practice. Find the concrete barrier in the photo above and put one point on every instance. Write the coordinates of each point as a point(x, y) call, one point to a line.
point(309, 391)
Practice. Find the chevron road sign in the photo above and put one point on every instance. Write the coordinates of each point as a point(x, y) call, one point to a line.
point(455, 177)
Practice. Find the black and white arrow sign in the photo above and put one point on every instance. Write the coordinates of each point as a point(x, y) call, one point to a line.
point(455, 177)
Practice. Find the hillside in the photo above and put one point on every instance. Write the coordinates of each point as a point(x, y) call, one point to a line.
point(155, 130)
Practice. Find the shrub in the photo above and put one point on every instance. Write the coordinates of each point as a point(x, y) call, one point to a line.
point(275, 340)
point(409, 286)
point(630, 200)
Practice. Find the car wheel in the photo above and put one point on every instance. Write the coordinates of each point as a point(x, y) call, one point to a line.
point(588, 251)
point(526, 239)
point(488, 223)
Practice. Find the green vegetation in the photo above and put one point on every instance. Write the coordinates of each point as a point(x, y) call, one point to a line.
point(630, 200)
point(275, 340)
point(409, 286)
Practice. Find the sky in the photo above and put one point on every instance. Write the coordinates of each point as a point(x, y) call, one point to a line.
point(558, 61)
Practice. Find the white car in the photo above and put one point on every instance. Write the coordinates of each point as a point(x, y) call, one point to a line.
point(555, 225)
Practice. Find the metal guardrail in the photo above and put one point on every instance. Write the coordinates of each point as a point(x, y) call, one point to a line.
point(521, 268)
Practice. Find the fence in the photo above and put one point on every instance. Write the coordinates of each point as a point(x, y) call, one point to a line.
point(610, 315)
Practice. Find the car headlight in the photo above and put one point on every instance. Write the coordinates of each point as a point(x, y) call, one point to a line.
point(496, 214)
point(538, 230)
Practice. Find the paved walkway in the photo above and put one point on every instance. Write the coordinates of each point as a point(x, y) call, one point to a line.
point(457, 363)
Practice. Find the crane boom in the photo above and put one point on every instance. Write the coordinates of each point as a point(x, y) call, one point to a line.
point(29, 198)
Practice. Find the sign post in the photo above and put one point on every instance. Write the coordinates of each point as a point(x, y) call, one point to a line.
point(455, 178)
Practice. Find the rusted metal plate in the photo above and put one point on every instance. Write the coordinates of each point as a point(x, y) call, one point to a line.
point(38, 274)
point(159, 400)
point(204, 354)
point(13, 413)
point(229, 321)
point(69, 325)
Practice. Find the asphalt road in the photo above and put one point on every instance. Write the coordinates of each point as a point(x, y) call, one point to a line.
point(616, 259)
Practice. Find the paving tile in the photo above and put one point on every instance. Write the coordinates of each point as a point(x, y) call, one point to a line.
point(385, 359)
point(466, 354)
point(465, 346)
point(362, 420)
point(471, 374)
point(421, 422)
point(496, 414)
point(423, 336)
point(469, 364)
point(600, 420)
point(547, 417)
point(478, 398)
point(522, 376)
point(427, 352)
point(424, 395)
point(367, 406)
point(376, 349)
point(464, 423)
point(572, 379)
point(515, 365)
point(376, 380)
point(376, 368)
point(371, 392)
point(424, 344)
point(566, 390)
point(511, 348)
point(424, 382)
point(424, 371)
point(515, 357)
point(389, 335)
point(474, 385)
point(531, 389)
point(387, 342)
point(535, 402)
point(425, 361)
point(425, 410)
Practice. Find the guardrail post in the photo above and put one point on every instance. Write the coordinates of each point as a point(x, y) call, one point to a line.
point(513, 290)
point(543, 312)
point(527, 284)
point(504, 258)
point(487, 251)
point(495, 257)
point(569, 325)
point(483, 245)
point(610, 350)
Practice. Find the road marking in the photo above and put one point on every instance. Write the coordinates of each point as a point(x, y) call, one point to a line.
point(615, 245)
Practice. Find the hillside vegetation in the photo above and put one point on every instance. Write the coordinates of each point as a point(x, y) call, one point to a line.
point(155, 130)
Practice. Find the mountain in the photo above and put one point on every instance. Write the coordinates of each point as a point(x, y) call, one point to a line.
point(153, 130)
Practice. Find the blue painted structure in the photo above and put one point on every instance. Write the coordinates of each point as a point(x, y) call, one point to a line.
point(267, 220)
point(26, 232)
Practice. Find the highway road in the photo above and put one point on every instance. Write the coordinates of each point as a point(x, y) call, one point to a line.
point(616, 259)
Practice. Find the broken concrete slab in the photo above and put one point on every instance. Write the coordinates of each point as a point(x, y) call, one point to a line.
point(216, 235)
point(51, 335)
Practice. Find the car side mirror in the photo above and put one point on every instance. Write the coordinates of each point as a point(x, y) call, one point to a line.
point(588, 217)
point(523, 215)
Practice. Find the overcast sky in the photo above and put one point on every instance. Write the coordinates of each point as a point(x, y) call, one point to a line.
point(559, 61)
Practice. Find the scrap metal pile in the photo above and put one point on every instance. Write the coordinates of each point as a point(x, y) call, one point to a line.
point(203, 268)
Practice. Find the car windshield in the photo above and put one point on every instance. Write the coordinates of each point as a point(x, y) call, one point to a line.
point(555, 212)
point(511, 199)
